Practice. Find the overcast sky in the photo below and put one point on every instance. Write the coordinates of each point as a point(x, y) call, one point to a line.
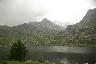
point(14, 12)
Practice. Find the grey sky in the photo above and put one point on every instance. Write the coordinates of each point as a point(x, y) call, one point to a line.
point(14, 12)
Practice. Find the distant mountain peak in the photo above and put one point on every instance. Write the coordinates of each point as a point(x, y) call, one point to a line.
point(45, 20)
point(89, 18)
point(91, 12)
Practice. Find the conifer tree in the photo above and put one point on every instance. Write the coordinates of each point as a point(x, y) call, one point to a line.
point(18, 51)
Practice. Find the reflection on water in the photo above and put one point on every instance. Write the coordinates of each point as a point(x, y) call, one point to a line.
point(64, 55)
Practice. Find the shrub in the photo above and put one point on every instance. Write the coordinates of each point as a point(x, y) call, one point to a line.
point(18, 51)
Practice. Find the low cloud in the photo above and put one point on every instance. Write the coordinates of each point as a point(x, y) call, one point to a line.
point(92, 2)
point(14, 12)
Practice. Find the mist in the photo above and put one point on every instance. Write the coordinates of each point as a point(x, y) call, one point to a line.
point(15, 12)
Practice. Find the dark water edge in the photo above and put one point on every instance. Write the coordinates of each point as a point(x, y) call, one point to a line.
point(55, 53)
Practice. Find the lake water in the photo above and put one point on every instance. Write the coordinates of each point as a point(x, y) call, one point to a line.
point(67, 55)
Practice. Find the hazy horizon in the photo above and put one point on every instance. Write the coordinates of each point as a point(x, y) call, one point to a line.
point(62, 12)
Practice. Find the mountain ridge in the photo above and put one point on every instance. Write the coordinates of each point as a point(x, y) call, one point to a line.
point(46, 33)
point(82, 34)
point(29, 32)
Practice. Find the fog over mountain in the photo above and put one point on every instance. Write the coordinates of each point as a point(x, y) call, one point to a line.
point(46, 33)
point(15, 12)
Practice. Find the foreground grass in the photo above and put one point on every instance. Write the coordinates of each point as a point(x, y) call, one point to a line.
point(29, 62)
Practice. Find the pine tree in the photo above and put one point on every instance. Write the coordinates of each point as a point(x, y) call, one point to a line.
point(18, 51)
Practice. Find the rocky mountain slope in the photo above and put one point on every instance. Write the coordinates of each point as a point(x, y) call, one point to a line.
point(46, 33)
point(35, 33)
point(82, 34)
